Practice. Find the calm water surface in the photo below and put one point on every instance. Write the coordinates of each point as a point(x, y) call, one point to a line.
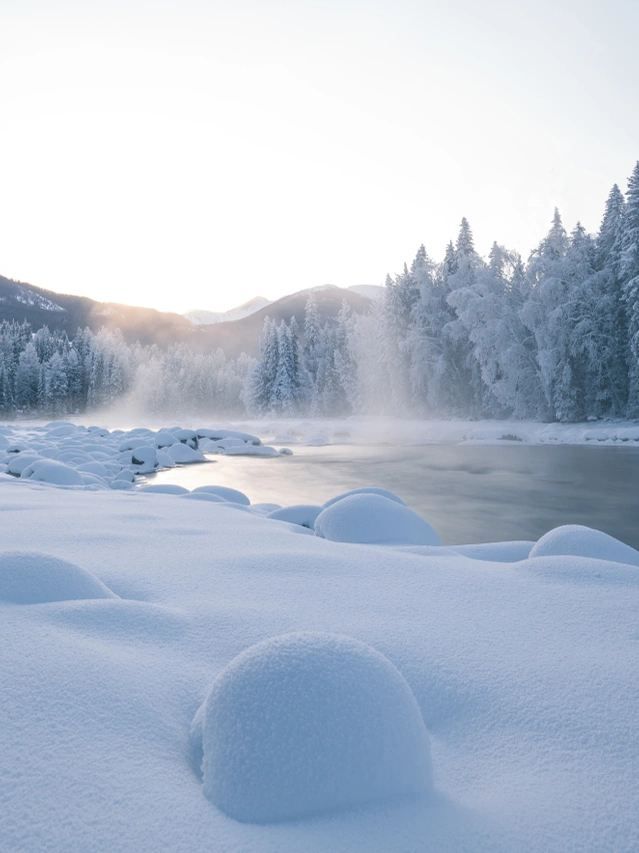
point(468, 493)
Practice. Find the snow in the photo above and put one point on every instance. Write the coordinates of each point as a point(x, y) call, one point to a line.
point(182, 454)
point(309, 723)
point(223, 492)
point(577, 540)
point(50, 471)
point(122, 614)
point(302, 514)
point(364, 490)
point(371, 518)
point(27, 577)
point(408, 431)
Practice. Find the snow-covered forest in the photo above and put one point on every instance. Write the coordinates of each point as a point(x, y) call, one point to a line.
point(555, 337)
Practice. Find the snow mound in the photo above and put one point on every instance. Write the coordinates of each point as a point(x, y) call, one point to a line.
point(50, 471)
point(364, 490)
point(579, 541)
point(225, 493)
point(309, 723)
point(145, 459)
point(302, 514)
point(20, 461)
point(27, 577)
point(165, 489)
point(182, 454)
point(251, 450)
point(375, 520)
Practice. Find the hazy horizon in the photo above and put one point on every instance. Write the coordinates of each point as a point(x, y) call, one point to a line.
point(194, 156)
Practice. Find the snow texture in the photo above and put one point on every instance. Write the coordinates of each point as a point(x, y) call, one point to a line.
point(119, 611)
point(576, 540)
point(373, 519)
point(27, 577)
point(309, 723)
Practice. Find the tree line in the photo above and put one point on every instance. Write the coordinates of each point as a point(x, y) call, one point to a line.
point(555, 337)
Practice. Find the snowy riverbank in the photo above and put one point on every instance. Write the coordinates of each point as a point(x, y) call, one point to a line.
point(406, 431)
point(501, 716)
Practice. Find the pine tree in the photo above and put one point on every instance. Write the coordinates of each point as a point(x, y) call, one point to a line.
point(27, 379)
point(629, 275)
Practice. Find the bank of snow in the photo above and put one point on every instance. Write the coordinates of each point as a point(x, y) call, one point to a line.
point(189, 674)
point(407, 431)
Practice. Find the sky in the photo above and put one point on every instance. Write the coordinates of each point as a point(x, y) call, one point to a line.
point(189, 154)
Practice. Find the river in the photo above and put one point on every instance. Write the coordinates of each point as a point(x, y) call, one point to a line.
point(469, 493)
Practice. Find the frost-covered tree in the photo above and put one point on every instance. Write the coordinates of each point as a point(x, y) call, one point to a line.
point(27, 379)
point(629, 275)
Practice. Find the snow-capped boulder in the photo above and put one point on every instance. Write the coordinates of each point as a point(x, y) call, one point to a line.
point(219, 434)
point(182, 454)
point(187, 436)
point(145, 459)
point(165, 438)
point(165, 489)
point(251, 450)
point(50, 471)
point(302, 514)
point(207, 496)
point(164, 460)
point(18, 462)
point(121, 485)
point(265, 508)
point(225, 493)
point(126, 475)
point(27, 577)
point(364, 490)
point(306, 724)
point(579, 541)
point(375, 520)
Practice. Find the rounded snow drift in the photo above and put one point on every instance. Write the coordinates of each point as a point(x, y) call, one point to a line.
point(302, 514)
point(225, 493)
point(165, 489)
point(364, 490)
point(50, 471)
point(27, 577)
point(305, 724)
point(580, 541)
point(374, 520)
point(182, 454)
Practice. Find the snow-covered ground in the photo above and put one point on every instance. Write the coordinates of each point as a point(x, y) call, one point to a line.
point(186, 671)
point(404, 431)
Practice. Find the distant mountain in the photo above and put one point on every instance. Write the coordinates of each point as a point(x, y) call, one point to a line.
point(372, 291)
point(207, 318)
point(20, 301)
point(243, 335)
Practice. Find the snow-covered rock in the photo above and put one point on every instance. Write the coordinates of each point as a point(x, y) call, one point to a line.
point(165, 489)
point(186, 436)
point(165, 438)
point(302, 514)
point(182, 454)
point(375, 520)
point(220, 434)
point(145, 459)
point(225, 493)
point(251, 450)
point(19, 461)
point(364, 490)
point(306, 724)
point(577, 540)
point(50, 471)
point(27, 577)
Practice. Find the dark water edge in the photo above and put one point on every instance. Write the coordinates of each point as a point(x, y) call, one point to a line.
point(469, 493)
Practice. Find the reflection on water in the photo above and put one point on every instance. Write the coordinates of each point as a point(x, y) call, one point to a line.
point(468, 493)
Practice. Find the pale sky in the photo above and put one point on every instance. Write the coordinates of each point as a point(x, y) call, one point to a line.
point(193, 153)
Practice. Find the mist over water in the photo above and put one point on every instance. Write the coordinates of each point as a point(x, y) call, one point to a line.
point(468, 493)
